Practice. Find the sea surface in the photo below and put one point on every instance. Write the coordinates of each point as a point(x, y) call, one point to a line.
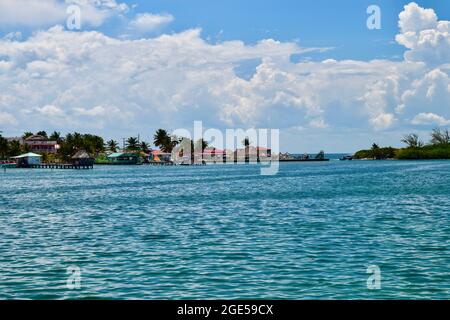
point(225, 231)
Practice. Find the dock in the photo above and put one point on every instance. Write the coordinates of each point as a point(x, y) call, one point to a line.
point(303, 160)
point(159, 163)
point(58, 166)
point(8, 165)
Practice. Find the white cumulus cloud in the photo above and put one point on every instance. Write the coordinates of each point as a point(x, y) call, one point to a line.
point(427, 38)
point(45, 13)
point(430, 119)
point(148, 22)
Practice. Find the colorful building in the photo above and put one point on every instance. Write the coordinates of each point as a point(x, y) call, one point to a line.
point(159, 156)
point(126, 158)
point(37, 144)
point(41, 144)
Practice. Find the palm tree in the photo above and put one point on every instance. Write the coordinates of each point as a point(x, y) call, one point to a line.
point(25, 148)
point(77, 140)
point(164, 141)
point(375, 151)
point(112, 145)
point(145, 147)
point(93, 144)
point(42, 133)
point(246, 142)
point(174, 141)
point(132, 144)
point(55, 136)
point(27, 134)
point(161, 139)
point(201, 144)
point(14, 148)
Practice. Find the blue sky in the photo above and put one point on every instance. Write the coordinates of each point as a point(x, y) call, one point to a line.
point(318, 23)
point(309, 68)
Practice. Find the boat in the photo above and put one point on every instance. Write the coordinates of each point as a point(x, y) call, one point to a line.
point(346, 158)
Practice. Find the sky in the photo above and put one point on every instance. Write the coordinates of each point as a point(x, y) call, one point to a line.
point(312, 69)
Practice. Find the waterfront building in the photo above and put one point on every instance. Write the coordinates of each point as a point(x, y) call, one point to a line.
point(159, 156)
point(124, 158)
point(41, 144)
point(37, 143)
point(214, 155)
point(27, 159)
point(252, 153)
point(82, 158)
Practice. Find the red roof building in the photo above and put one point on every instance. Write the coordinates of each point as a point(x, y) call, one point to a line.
point(40, 144)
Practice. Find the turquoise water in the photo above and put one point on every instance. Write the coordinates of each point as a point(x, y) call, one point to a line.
point(224, 231)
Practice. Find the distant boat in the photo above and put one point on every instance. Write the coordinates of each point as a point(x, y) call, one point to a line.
point(184, 164)
point(346, 158)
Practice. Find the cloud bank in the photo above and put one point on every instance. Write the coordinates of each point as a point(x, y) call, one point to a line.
point(85, 80)
point(45, 13)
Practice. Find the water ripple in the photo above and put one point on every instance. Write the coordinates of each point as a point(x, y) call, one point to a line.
point(226, 232)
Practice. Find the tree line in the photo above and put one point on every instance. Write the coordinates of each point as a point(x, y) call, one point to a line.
point(438, 147)
point(95, 145)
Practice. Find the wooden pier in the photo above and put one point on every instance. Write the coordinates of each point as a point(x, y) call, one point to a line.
point(159, 163)
point(59, 166)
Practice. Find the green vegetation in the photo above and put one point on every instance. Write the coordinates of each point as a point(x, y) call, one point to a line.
point(144, 147)
point(133, 144)
point(73, 142)
point(376, 153)
point(42, 133)
point(101, 159)
point(426, 152)
point(27, 134)
point(55, 136)
point(165, 141)
point(416, 149)
point(95, 145)
point(68, 145)
point(112, 146)
point(438, 147)
point(4, 150)
point(11, 148)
